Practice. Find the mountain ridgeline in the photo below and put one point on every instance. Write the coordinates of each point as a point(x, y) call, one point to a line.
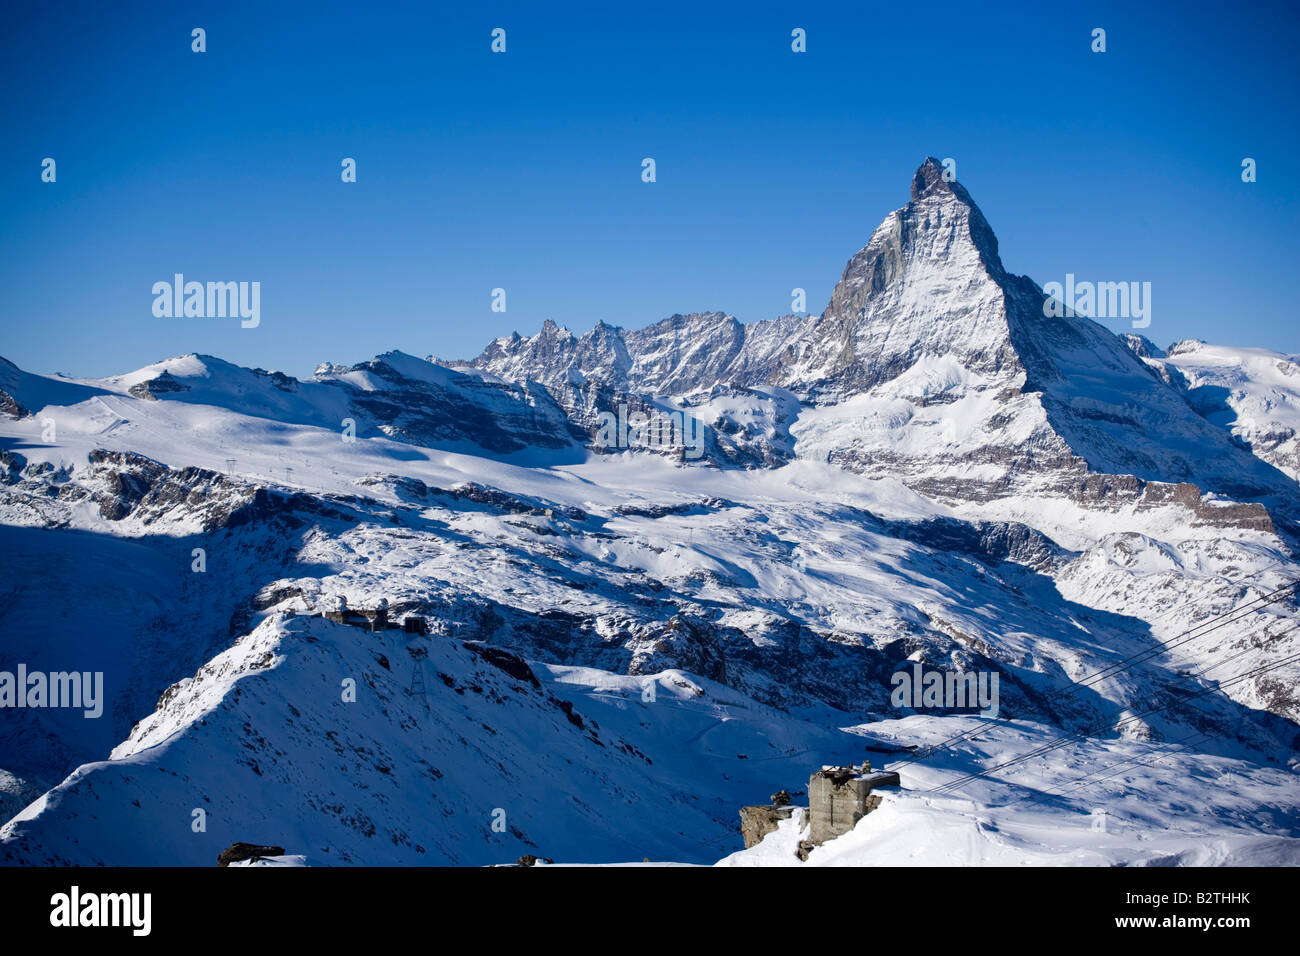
point(949, 372)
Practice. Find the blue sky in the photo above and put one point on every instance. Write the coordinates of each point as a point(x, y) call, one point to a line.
point(523, 171)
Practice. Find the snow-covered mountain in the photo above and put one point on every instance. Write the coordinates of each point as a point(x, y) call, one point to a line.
point(931, 363)
point(628, 643)
point(1253, 393)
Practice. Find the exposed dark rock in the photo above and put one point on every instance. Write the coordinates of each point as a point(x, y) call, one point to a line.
point(238, 852)
point(11, 466)
point(512, 664)
point(164, 384)
point(11, 407)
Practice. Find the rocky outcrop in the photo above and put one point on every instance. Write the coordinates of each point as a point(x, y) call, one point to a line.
point(11, 466)
point(164, 384)
point(238, 852)
point(11, 407)
point(758, 821)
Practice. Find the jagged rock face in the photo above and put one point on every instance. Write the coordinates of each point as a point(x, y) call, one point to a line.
point(685, 363)
point(685, 352)
point(557, 358)
point(675, 356)
point(927, 284)
point(679, 642)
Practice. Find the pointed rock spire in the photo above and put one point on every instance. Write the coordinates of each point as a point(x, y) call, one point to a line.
point(929, 179)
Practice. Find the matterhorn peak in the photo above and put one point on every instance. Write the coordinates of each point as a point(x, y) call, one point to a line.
point(934, 178)
point(930, 179)
point(937, 179)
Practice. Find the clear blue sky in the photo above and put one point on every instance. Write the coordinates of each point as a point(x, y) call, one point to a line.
point(523, 170)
